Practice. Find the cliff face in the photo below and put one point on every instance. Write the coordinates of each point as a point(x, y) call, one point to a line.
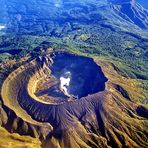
point(111, 118)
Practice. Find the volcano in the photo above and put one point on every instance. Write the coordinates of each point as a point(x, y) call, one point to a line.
point(98, 117)
point(73, 74)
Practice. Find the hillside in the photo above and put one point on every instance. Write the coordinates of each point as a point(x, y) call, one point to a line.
point(73, 74)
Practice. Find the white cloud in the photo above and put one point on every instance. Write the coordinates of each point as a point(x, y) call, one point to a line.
point(2, 27)
point(64, 83)
point(58, 3)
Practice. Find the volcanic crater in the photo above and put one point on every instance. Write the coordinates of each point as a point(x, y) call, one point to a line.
point(67, 100)
point(79, 76)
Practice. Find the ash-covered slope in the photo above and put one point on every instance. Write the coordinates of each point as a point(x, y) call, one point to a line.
point(111, 118)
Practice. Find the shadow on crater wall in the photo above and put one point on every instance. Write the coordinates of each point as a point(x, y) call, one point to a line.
point(86, 77)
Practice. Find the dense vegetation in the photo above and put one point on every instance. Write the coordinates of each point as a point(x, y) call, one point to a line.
point(88, 27)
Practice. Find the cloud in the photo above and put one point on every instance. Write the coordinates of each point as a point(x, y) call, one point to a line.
point(2, 27)
point(58, 3)
point(64, 83)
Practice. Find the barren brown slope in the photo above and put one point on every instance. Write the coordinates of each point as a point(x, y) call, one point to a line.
point(111, 118)
point(9, 140)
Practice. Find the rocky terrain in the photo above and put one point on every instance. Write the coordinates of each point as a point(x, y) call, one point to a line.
point(109, 118)
point(103, 103)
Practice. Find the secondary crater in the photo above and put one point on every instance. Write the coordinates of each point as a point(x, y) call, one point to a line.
point(78, 76)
